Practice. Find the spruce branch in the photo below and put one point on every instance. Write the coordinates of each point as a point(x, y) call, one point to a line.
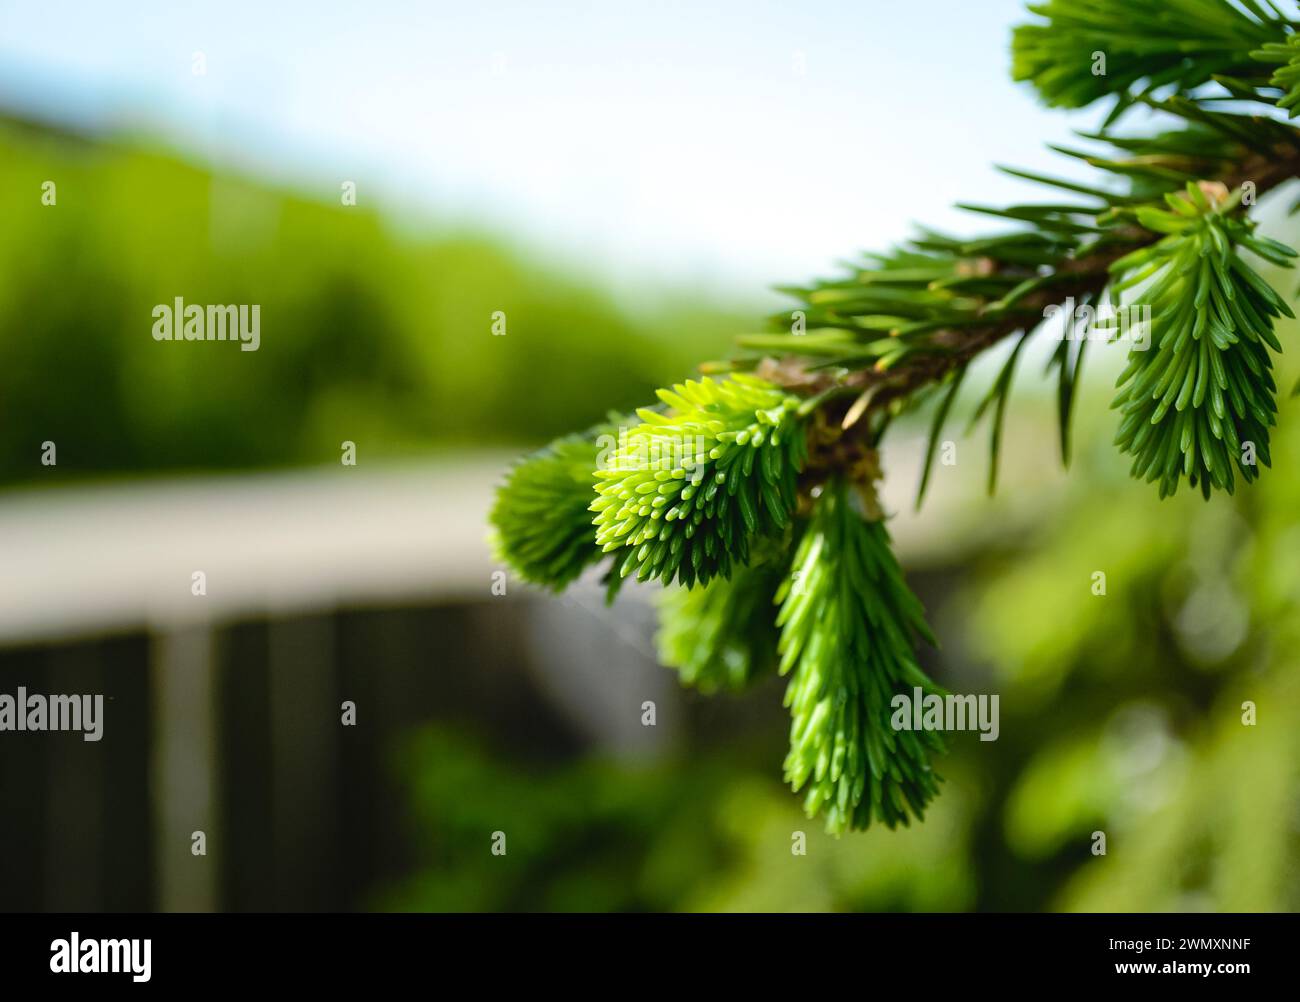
point(886, 335)
point(722, 636)
point(1147, 44)
point(756, 485)
point(848, 623)
point(1201, 400)
point(540, 522)
point(1287, 75)
point(687, 492)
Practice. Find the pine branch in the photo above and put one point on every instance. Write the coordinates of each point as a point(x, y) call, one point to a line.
point(1287, 76)
point(1201, 400)
point(722, 636)
point(728, 478)
point(685, 493)
point(913, 353)
point(541, 525)
point(1147, 44)
point(848, 623)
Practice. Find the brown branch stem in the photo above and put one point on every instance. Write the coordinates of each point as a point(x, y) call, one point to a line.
point(1083, 277)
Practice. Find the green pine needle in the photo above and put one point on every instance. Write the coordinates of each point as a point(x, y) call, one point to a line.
point(848, 621)
point(1287, 75)
point(722, 636)
point(686, 492)
point(1200, 400)
point(541, 525)
point(1146, 43)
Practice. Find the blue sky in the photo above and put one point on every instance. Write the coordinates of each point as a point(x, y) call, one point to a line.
point(733, 144)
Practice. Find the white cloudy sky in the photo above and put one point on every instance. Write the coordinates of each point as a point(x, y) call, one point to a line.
point(736, 143)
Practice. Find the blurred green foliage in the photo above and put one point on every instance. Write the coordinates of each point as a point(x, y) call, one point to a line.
point(368, 333)
point(1133, 704)
point(704, 833)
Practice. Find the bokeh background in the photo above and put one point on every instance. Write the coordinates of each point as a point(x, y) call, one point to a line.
point(625, 185)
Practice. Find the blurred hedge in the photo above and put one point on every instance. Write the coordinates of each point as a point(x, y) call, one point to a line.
point(368, 333)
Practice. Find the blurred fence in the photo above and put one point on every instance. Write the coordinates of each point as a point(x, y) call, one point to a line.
point(223, 710)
